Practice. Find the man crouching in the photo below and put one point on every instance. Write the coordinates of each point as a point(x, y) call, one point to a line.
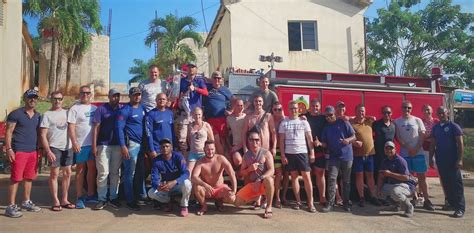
point(209, 182)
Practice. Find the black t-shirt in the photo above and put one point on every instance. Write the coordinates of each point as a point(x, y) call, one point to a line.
point(317, 124)
point(383, 133)
point(25, 134)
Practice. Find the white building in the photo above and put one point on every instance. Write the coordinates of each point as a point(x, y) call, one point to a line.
point(318, 35)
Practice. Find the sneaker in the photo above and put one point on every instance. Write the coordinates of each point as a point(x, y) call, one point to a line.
point(427, 205)
point(30, 206)
point(133, 206)
point(362, 202)
point(80, 203)
point(347, 208)
point(447, 206)
point(115, 203)
point(156, 205)
point(100, 205)
point(13, 211)
point(409, 211)
point(375, 201)
point(91, 199)
point(420, 200)
point(458, 214)
point(184, 212)
point(143, 201)
point(327, 208)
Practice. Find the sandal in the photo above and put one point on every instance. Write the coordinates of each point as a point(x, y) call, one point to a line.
point(267, 214)
point(219, 206)
point(69, 206)
point(56, 208)
point(201, 212)
point(256, 206)
point(312, 209)
point(297, 206)
point(278, 204)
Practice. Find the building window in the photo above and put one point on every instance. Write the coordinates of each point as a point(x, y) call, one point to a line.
point(302, 35)
point(219, 52)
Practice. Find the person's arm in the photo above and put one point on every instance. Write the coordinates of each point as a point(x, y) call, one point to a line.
point(309, 142)
point(71, 130)
point(270, 167)
point(284, 160)
point(44, 142)
point(230, 171)
point(196, 176)
point(244, 133)
point(273, 134)
point(380, 179)
point(120, 131)
point(202, 88)
point(350, 133)
point(149, 134)
point(432, 151)
point(210, 134)
point(460, 145)
point(95, 133)
point(397, 176)
point(8, 140)
point(155, 175)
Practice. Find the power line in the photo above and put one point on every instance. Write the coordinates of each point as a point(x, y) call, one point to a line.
point(204, 16)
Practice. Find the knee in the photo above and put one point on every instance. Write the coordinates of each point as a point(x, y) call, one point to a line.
point(187, 186)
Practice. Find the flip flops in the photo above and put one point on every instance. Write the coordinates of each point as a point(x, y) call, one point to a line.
point(69, 206)
point(267, 214)
point(56, 208)
point(201, 212)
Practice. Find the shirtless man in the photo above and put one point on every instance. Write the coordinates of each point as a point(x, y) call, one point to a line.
point(208, 180)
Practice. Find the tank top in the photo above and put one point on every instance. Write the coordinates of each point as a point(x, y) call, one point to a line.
point(265, 129)
point(251, 158)
point(198, 138)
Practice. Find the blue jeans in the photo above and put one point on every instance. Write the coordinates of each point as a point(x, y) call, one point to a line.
point(131, 179)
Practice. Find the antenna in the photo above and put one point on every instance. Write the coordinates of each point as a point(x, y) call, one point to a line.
point(157, 42)
point(109, 27)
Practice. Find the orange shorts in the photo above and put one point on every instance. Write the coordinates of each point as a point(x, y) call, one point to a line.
point(248, 193)
point(220, 191)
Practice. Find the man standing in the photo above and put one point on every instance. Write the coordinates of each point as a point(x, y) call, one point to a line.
point(337, 137)
point(410, 134)
point(295, 140)
point(151, 87)
point(129, 129)
point(364, 151)
point(106, 149)
point(394, 179)
point(169, 176)
point(192, 89)
point(269, 96)
point(215, 105)
point(448, 146)
point(79, 120)
point(57, 146)
point(257, 170)
point(384, 131)
point(21, 142)
point(235, 122)
point(159, 125)
point(209, 182)
point(317, 122)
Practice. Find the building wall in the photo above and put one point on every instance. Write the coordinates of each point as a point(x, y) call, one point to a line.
point(94, 68)
point(223, 34)
point(201, 54)
point(260, 27)
point(28, 60)
point(10, 56)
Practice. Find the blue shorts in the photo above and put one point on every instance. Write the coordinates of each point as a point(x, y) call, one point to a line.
point(363, 164)
point(84, 156)
point(193, 157)
point(416, 163)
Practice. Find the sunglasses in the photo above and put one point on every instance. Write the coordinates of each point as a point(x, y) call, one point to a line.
point(57, 99)
point(329, 115)
point(277, 109)
point(85, 92)
point(407, 107)
point(386, 112)
point(254, 139)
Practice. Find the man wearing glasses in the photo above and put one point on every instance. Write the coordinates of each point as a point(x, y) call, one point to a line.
point(384, 131)
point(79, 120)
point(57, 146)
point(410, 134)
point(21, 142)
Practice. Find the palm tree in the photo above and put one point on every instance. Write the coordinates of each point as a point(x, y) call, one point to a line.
point(170, 32)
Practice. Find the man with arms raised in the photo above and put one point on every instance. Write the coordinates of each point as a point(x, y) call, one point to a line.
point(208, 180)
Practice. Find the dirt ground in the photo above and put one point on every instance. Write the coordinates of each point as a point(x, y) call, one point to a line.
point(367, 219)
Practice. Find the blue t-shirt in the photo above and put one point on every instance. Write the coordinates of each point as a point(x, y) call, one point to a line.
point(169, 170)
point(130, 123)
point(216, 102)
point(396, 165)
point(106, 116)
point(159, 125)
point(446, 146)
point(25, 134)
point(195, 99)
point(332, 135)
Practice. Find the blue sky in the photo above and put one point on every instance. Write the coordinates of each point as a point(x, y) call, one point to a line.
point(130, 20)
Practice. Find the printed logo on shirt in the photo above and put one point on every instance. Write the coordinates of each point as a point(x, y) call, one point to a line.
point(446, 129)
point(135, 116)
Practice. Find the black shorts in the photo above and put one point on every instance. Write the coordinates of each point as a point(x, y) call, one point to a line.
point(297, 162)
point(63, 157)
point(319, 162)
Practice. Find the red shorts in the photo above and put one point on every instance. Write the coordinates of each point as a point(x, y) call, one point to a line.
point(220, 191)
point(218, 125)
point(248, 193)
point(24, 166)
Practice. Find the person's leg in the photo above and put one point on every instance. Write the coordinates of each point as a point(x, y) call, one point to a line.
point(53, 185)
point(185, 189)
point(321, 184)
point(269, 190)
point(129, 166)
point(371, 183)
point(277, 186)
point(12, 190)
point(139, 177)
point(80, 171)
point(27, 184)
point(200, 194)
point(65, 183)
point(360, 184)
point(102, 164)
point(333, 171)
point(346, 167)
point(400, 193)
point(91, 177)
point(285, 182)
point(295, 186)
point(308, 187)
point(115, 160)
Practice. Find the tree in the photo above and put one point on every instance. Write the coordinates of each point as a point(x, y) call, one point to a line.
point(140, 70)
point(405, 42)
point(170, 32)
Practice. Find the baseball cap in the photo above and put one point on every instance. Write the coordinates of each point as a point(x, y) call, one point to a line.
point(191, 64)
point(390, 144)
point(134, 90)
point(329, 109)
point(340, 103)
point(165, 140)
point(30, 93)
point(113, 91)
point(216, 74)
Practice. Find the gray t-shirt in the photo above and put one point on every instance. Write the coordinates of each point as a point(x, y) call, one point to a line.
point(149, 91)
point(82, 115)
point(269, 98)
point(409, 132)
point(56, 123)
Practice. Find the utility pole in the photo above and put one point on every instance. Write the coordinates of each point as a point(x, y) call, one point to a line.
point(157, 45)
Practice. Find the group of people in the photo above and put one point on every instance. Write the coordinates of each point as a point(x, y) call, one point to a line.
point(218, 135)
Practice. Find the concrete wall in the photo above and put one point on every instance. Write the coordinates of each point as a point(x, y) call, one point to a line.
point(10, 56)
point(94, 68)
point(223, 34)
point(28, 60)
point(260, 27)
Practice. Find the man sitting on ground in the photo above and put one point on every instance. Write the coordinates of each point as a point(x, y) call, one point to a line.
point(208, 180)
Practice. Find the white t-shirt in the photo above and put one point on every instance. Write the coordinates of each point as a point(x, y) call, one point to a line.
point(409, 132)
point(295, 139)
point(82, 115)
point(149, 92)
point(56, 123)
